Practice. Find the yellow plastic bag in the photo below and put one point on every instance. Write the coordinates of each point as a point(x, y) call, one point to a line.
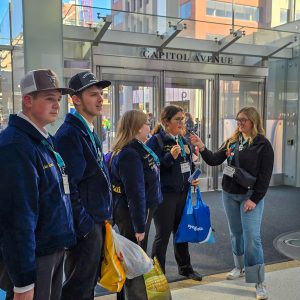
point(156, 283)
point(112, 272)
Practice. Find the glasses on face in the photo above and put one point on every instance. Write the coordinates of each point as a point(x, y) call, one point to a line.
point(179, 120)
point(241, 120)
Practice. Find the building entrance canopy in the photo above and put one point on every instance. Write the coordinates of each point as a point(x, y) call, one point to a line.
point(162, 36)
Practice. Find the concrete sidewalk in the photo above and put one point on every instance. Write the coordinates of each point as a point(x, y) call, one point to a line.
point(283, 281)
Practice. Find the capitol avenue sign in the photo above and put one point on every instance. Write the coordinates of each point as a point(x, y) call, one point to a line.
point(187, 57)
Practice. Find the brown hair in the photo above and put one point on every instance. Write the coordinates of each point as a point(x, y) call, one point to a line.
point(128, 127)
point(166, 115)
point(257, 125)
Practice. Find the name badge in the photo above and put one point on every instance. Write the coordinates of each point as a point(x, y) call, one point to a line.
point(66, 184)
point(229, 171)
point(185, 167)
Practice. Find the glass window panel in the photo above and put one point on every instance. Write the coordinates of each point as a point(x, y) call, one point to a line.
point(126, 92)
point(4, 23)
point(242, 12)
point(220, 13)
point(118, 18)
point(17, 22)
point(283, 15)
point(6, 95)
point(210, 11)
point(185, 10)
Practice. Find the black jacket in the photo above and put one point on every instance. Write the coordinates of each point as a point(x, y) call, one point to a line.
point(257, 159)
point(172, 180)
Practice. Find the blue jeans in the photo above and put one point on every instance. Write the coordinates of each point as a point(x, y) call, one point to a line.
point(245, 235)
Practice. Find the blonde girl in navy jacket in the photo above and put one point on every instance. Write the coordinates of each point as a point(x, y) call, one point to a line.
point(175, 157)
point(134, 172)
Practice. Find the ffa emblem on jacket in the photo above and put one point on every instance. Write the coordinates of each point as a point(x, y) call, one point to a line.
point(150, 161)
point(167, 148)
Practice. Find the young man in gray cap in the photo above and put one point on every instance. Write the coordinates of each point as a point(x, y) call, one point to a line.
point(35, 211)
point(90, 186)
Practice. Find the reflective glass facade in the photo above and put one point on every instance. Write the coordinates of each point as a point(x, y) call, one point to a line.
point(210, 57)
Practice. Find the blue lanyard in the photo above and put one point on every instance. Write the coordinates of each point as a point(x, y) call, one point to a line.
point(57, 156)
point(181, 144)
point(92, 138)
point(149, 150)
point(241, 146)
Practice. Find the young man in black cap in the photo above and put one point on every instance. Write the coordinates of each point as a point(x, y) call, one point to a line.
point(89, 186)
point(36, 221)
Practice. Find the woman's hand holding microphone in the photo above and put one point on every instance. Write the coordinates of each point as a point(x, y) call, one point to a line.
point(196, 141)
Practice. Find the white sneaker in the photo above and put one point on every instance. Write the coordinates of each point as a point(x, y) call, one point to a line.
point(261, 291)
point(235, 273)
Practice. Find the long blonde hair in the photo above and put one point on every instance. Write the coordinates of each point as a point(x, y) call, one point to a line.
point(128, 127)
point(257, 126)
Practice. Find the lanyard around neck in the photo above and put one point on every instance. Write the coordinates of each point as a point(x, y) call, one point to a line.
point(57, 156)
point(93, 137)
point(151, 152)
point(240, 143)
point(179, 141)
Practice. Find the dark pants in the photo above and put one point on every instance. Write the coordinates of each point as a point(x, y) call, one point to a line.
point(82, 266)
point(133, 288)
point(166, 219)
point(48, 284)
point(5, 282)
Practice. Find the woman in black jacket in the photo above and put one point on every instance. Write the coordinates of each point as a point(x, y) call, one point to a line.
point(175, 157)
point(134, 170)
point(249, 149)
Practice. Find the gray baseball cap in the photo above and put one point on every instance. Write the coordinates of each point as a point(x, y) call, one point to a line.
point(42, 80)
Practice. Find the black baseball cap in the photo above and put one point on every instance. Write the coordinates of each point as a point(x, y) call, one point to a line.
point(41, 80)
point(83, 80)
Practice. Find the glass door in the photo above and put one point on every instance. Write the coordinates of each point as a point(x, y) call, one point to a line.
point(130, 89)
point(193, 93)
point(234, 94)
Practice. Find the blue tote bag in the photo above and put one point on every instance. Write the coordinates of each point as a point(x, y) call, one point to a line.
point(195, 224)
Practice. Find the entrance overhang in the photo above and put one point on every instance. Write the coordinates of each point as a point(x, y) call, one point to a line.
point(228, 41)
point(86, 34)
point(101, 31)
point(170, 34)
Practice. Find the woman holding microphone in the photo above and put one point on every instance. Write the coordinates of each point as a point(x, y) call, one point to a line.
point(250, 150)
point(134, 169)
point(176, 166)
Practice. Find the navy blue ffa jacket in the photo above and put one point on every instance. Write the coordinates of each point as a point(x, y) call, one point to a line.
point(89, 180)
point(171, 177)
point(135, 180)
point(35, 213)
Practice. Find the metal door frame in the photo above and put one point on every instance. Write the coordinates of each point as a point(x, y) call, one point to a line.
point(210, 104)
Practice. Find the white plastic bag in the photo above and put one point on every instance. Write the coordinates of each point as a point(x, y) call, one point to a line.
point(133, 258)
